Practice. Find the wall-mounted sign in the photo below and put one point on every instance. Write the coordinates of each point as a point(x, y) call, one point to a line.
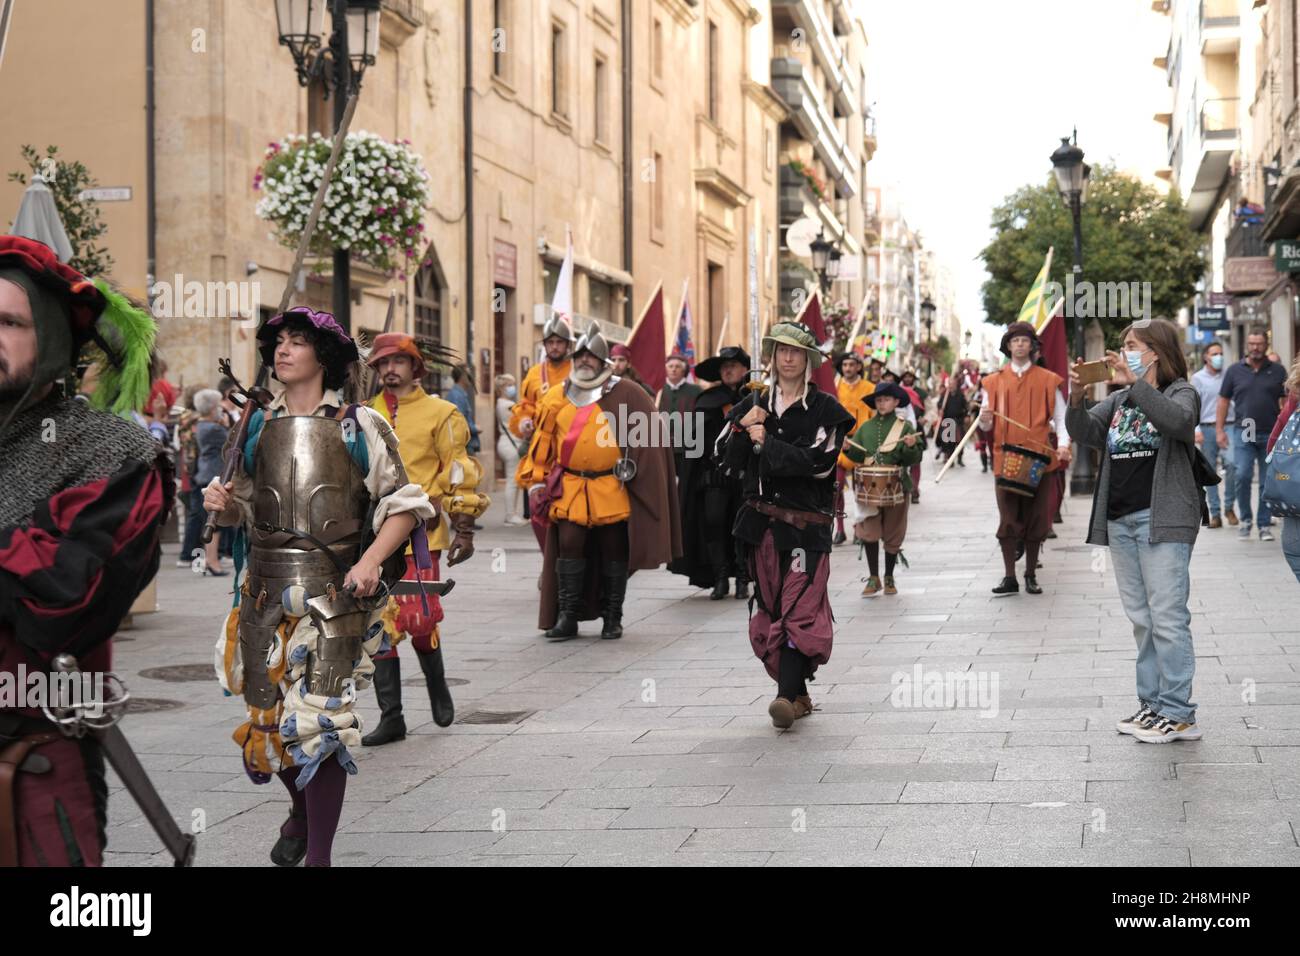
point(107, 194)
point(1213, 318)
point(1286, 255)
point(505, 264)
point(1248, 273)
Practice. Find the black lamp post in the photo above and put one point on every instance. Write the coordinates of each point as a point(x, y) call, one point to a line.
point(823, 261)
point(1072, 175)
point(339, 63)
point(927, 319)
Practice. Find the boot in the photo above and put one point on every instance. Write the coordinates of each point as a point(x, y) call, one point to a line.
point(289, 850)
point(721, 586)
point(388, 691)
point(572, 573)
point(615, 575)
point(444, 711)
point(1008, 586)
point(742, 588)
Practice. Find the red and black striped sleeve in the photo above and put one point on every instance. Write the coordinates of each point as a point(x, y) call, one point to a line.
point(69, 577)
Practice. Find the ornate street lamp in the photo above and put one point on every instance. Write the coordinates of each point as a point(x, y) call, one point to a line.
point(1072, 176)
point(927, 319)
point(338, 61)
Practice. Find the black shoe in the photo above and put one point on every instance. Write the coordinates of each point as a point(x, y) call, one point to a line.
point(388, 691)
point(1008, 586)
point(571, 574)
point(289, 851)
point(1051, 533)
point(435, 677)
point(916, 497)
point(1031, 585)
point(839, 538)
point(721, 586)
point(614, 574)
point(742, 589)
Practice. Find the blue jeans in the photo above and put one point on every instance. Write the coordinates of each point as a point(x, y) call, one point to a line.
point(195, 518)
point(1210, 446)
point(1154, 582)
point(1249, 454)
point(1291, 544)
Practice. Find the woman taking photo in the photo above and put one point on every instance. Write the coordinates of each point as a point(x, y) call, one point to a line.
point(1147, 510)
point(509, 449)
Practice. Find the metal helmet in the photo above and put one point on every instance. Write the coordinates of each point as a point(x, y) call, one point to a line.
point(592, 341)
point(557, 324)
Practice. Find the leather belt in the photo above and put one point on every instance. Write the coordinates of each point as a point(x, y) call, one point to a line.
point(791, 516)
point(588, 474)
point(12, 757)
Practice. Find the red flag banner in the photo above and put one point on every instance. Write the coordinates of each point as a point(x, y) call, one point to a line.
point(1055, 353)
point(811, 316)
point(647, 341)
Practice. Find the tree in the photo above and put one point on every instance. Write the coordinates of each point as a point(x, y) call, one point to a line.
point(1131, 233)
point(80, 216)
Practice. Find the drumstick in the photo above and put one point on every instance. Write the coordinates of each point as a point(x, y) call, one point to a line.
point(957, 450)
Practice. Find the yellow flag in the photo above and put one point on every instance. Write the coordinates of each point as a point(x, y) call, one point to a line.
point(1034, 311)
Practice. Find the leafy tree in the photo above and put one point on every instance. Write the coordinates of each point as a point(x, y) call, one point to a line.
point(80, 216)
point(1131, 233)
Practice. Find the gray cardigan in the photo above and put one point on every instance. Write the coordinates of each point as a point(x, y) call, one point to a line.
point(1175, 495)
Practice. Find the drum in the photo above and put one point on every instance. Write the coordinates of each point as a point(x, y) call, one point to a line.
point(1021, 468)
point(879, 486)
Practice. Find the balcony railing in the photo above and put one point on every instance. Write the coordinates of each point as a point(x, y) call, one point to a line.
point(814, 122)
point(1244, 239)
point(1219, 118)
point(1219, 13)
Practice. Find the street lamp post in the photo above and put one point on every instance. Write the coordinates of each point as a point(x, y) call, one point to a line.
point(825, 261)
point(339, 63)
point(1072, 175)
point(927, 318)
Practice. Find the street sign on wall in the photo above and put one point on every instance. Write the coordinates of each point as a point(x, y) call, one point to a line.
point(1286, 255)
point(1212, 317)
point(1248, 273)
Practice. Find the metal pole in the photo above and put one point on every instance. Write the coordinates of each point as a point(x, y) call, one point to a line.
point(342, 284)
point(1083, 479)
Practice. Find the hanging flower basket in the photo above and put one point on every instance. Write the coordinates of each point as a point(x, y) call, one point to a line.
point(374, 206)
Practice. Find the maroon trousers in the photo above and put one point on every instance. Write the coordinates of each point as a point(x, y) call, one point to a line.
point(791, 605)
point(1021, 518)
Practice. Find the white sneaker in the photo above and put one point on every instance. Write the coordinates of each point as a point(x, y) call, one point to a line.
point(1165, 730)
point(1143, 718)
point(1265, 534)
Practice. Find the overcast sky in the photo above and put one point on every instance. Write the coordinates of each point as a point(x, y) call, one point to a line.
point(971, 99)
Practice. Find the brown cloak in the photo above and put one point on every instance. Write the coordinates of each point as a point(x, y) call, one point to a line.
point(654, 531)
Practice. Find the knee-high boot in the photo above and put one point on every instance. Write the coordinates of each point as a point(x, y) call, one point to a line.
point(444, 711)
point(571, 574)
point(615, 575)
point(388, 691)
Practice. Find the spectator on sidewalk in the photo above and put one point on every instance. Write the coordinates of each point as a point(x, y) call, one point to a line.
point(1209, 383)
point(1290, 526)
point(210, 436)
point(1147, 510)
point(459, 395)
point(1255, 387)
point(509, 448)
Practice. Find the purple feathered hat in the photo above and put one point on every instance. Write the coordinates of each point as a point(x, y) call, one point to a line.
point(337, 350)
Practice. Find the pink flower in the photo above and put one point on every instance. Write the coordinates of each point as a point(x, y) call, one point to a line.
point(379, 210)
point(420, 226)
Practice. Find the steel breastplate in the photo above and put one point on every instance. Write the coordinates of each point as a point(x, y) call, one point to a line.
point(305, 482)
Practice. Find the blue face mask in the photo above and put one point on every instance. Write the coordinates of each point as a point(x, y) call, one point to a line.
point(1216, 362)
point(511, 392)
point(1134, 360)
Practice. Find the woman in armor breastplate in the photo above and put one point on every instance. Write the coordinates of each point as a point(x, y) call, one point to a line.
point(322, 502)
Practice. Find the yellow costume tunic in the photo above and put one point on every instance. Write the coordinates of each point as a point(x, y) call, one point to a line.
point(536, 383)
point(851, 398)
point(585, 501)
point(433, 434)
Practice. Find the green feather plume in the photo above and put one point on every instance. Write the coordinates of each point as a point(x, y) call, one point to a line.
point(130, 332)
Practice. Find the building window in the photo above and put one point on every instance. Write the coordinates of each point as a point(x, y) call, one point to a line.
point(657, 194)
point(600, 300)
point(600, 108)
point(500, 39)
point(428, 315)
point(559, 72)
point(769, 149)
point(713, 71)
point(657, 50)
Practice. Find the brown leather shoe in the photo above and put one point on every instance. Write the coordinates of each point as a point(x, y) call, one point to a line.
point(1216, 522)
point(889, 584)
point(803, 706)
point(1231, 515)
point(783, 713)
point(872, 588)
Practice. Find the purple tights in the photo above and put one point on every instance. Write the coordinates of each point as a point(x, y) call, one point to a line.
point(316, 810)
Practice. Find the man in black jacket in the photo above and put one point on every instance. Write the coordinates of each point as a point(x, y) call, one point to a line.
point(783, 442)
point(710, 499)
